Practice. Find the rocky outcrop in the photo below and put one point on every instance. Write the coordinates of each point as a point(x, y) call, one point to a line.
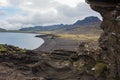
point(110, 38)
point(88, 63)
point(18, 64)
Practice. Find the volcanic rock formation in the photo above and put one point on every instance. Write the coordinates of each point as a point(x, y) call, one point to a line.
point(110, 38)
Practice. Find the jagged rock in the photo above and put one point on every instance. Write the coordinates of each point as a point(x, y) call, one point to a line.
point(90, 49)
point(110, 38)
point(63, 54)
point(84, 64)
point(58, 65)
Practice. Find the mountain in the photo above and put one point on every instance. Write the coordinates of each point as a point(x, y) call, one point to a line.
point(88, 20)
point(1, 29)
point(43, 28)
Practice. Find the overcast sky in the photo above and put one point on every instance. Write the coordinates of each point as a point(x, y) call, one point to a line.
point(15, 14)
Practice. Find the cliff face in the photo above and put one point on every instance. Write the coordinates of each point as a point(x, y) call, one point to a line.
point(110, 38)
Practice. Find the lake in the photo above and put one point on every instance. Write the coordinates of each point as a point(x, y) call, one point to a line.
point(22, 40)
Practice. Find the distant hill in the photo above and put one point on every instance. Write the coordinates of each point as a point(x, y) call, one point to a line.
point(80, 23)
point(43, 28)
point(84, 29)
point(1, 29)
point(87, 20)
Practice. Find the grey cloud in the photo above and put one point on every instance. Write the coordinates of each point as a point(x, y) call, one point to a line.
point(35, 4)
point(15, 2)
point(79, 11)
point(2, 13)
point(63, 13)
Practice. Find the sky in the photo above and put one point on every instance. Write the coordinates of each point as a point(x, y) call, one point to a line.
point(16, 14)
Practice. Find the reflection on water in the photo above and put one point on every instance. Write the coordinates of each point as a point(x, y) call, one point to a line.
point(22, 40)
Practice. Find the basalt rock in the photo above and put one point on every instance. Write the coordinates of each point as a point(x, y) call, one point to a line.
point(17, 64)
point(110, 38)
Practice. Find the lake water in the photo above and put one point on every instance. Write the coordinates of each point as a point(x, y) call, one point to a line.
point(22, 40)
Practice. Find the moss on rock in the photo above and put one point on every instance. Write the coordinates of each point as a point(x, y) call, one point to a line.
point(11, 49)
point(100, 69)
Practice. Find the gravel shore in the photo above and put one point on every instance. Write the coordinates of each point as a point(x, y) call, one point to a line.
point(54, 43)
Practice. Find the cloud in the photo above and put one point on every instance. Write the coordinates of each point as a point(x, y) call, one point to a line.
point(81, 11)
point(4, 3)
point(71, 3)
point(2, 13)
point(44, 12)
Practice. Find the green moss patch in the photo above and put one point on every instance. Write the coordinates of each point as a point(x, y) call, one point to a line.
point(100, 69)
point(11, 49)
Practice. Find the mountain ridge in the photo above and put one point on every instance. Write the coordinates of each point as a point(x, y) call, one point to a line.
point(88, 20)
point(1, 29)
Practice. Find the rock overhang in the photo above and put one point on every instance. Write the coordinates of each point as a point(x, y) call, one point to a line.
point(109, 41)
point(103, 3)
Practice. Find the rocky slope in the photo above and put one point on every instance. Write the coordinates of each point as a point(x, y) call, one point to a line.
point(2, 29)
point(18, 64)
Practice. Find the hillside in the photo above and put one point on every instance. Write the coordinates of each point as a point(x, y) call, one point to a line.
point(1, 29)
point(80, 23)
point(84, 29)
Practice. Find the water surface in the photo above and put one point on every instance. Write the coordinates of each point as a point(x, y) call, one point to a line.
point(22, 40)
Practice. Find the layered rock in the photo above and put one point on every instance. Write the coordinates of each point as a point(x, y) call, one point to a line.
point(18, 64)
point(110, 38)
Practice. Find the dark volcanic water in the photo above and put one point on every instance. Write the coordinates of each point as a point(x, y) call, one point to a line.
point(22, 40)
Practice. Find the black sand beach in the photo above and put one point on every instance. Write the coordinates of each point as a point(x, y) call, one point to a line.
point(52, 42)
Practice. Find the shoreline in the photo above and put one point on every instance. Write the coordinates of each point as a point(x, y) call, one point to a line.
point(53, 42)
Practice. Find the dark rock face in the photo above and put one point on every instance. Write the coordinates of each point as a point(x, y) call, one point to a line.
point(110, 38)
point(16, 64)
point(107, 1)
